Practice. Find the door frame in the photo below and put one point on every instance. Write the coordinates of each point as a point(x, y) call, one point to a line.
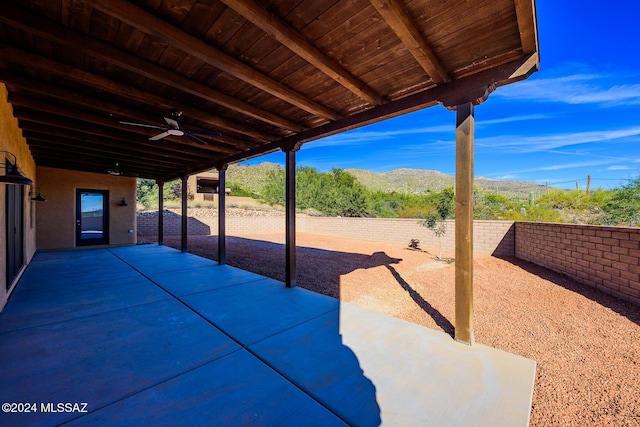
point(104, 240)
point(15, 240)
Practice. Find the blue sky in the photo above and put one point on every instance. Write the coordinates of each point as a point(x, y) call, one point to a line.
point(578, 116)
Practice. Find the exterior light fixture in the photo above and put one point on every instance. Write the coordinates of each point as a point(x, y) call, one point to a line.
point(123, 202)
point(37, 198)
point(12, 173)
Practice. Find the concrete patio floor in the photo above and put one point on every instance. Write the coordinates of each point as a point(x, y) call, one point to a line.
point(147, 335)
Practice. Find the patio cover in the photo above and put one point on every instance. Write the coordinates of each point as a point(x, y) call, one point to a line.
point(266, 74)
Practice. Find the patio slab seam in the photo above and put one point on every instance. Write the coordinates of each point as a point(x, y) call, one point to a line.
point(212, 323)
point(258, 279)
point(151, 386)
point(246, 347)
point(74, 319)
point(276, 321)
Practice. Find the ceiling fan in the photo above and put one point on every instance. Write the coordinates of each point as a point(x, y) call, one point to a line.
point(117, 172)
point(174, 129)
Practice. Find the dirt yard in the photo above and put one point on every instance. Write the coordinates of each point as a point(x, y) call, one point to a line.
point(586, 343)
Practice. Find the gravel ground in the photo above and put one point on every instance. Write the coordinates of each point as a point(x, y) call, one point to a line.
point(586, 343)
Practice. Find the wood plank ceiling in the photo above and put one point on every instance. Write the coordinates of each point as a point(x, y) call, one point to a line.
point(265, 74)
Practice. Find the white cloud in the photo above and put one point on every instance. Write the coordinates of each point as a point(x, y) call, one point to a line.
point(512, 119)
point(618, 168)
point(514, 173)
point(574, 89)
point(530, 144)
point(367, 136)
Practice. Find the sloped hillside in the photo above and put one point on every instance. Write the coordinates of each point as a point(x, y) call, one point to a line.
point(420, 181)
point(252, 179)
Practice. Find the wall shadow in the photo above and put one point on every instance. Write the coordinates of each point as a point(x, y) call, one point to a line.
point(313, 354)
point(268, 259)
point(147, 226)
point(321, 362)
point(506, 248)
point(437, 317)
point(624, 308)
point(164, 352)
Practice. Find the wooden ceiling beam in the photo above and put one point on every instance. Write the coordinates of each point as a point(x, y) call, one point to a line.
point(281, 31)
point(94, 136)
point(407, 31)
point(475, 88)
point(90, 165)
point(102, 163)
point(43, 106)
point(112, 110)
point(58, 93)
point(54, 143)
point(68, 72)
point(526, 14)
point(49, 30)
point(88, 117)
point(152, 25)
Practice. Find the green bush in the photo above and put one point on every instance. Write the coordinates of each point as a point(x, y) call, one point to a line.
point(624, 206)
point(338, 193)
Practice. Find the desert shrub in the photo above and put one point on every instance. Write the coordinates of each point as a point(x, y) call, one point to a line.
point(336, 193)
point(490, 205)
point(147, 193)
point(237, 190)
point(273, 191)
point(624, 206)
point(560, 199)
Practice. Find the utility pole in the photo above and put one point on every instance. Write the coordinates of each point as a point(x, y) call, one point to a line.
point(588, 184)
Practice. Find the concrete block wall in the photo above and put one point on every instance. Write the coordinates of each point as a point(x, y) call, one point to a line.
point(607, 258)
point(490, 237)
point(148, 226)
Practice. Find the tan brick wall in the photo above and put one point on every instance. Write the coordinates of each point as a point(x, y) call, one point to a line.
point(148, 226)
point(607, 258)
point(490, 237)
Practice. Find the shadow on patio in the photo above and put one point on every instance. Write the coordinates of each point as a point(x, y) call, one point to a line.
point(149, 335)
point(268, 259)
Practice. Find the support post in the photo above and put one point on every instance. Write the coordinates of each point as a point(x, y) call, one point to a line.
point(183, 232)
point(160, 213)
point(290, 217)
point(222, 232)
point(464, 224)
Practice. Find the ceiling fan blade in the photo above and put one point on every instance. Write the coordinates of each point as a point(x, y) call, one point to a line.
point(204, 132)
point(195, 139)
point(159, 136)
point(173, 124)
point(142, 125)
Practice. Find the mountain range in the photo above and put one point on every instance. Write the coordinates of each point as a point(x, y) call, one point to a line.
point(415, 181)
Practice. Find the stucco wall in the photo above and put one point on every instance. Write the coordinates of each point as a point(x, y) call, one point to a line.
point(11, 140)
point(56, 220)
